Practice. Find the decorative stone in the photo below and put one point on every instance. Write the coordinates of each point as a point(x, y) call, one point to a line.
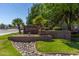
point(28, 49)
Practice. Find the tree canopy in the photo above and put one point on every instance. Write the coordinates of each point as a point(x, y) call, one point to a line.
point(55, 13)
point(17, 22)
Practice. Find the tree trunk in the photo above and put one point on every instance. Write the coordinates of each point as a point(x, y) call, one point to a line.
point(39, 29)
point(70, 17)
point(69, 27)
point(19, 29)
point(23, 29)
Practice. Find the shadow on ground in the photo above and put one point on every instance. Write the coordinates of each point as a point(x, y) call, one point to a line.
point(73, 44)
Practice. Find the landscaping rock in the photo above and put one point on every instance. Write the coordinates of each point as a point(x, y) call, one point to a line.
point(28, 49)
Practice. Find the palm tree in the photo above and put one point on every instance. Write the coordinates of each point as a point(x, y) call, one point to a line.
point(18, 23)
point(40, 22)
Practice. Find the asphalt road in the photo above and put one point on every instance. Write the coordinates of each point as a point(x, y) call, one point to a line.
point(7, 31)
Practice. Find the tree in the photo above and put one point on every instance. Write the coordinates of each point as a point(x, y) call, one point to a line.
point(2, 26)
point(10, 26)
point(40, 21)
point(18, 23)
point(55, 13)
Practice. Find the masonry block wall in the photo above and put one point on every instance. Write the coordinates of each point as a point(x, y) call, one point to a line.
point(57, 34)
point(29, 38)
point(31, 29)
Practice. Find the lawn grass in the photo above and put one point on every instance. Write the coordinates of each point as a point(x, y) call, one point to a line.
point(6, 48)
point(58, 46)
point(3, 37)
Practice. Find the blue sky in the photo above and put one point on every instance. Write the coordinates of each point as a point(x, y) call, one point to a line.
point(8, 12)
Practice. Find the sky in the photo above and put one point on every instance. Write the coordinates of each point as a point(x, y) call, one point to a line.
point(10, 11)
